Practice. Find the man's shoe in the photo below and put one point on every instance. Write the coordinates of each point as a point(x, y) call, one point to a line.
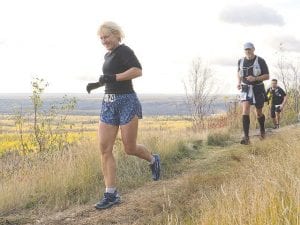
point(245, 141)
point(155, 168)
point(108, 200)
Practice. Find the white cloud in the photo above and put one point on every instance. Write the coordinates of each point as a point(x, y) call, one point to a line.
point(252, 15)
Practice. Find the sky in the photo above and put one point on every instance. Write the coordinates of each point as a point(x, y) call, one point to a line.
point(56, 40)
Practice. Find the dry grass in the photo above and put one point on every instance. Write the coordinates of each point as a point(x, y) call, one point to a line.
point(52, 179)
point(265, 191)
point(57, 180)
point(259, 184)
point(78, 126)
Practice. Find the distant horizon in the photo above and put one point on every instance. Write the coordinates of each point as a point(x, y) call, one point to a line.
point(94, 94)
point(153, 104)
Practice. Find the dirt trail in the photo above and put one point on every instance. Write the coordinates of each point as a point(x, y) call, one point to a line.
point(137, 207)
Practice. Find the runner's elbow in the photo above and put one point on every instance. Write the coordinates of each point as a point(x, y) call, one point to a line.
point(138, 72)
point(267, 76)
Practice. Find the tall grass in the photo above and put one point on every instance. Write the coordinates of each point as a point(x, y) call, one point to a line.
point(56, 180)
point(219, 138)
point(266, 190)
point(53, 179)
point(255, 185)
point(234, 116)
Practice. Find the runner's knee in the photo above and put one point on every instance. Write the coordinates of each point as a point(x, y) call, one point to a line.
point(105, 148)
point(130, 149)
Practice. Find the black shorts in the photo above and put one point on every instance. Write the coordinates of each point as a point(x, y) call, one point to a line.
point(257, 98)
point(274, 109)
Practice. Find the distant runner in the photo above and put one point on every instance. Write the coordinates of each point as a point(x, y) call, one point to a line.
point(121, 108)
point(252, 71)
point(277, 97)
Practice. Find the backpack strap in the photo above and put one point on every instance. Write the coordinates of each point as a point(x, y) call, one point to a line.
point(241, 67)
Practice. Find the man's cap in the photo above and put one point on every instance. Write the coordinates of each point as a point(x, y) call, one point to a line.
point(248, 45)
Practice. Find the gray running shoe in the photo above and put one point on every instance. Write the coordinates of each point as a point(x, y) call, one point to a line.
point(155, 168)
point(108, 200)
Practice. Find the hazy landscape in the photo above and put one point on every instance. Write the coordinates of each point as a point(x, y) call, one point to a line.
point(51, 173)
point(153, 104)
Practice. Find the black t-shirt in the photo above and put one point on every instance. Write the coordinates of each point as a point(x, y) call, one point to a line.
point(248, 69)
point(117, 61)
point(276, 95)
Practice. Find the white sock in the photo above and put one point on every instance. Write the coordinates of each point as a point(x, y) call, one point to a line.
point(110, 190)
point(152, 160)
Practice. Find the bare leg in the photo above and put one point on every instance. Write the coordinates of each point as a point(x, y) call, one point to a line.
point(274, 121)
point(107, 137)
point(259, 112)
point(129, 136)
point(277, 118)
point(261, 121)
point(246, 107)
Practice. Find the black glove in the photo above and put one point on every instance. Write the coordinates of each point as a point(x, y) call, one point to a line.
point(92, 86)
point(107, 79)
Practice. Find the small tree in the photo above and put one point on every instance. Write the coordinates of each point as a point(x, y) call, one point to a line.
point(56, 121)
point(283, 69)
point(287, 71)
point(199, 92)
point(295, 91)
point(19, 122)
point(49, 127)
point(38, 87)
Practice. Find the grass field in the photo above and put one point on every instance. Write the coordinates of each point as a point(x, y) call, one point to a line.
point(82, 127)
point(204, 181)
point(60, 179)
point(255, 185)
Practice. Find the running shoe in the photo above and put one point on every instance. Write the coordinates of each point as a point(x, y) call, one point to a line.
point(245, 141)
point(155, 167)
point(108, 200)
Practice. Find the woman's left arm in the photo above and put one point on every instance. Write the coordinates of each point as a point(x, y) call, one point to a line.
point(129, 74)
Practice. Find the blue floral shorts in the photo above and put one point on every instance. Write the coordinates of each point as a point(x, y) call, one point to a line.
point(120, 109)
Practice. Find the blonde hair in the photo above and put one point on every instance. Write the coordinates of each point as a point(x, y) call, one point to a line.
point(113, 28)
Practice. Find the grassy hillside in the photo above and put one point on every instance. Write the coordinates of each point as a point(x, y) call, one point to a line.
point(59, 179)
point(257, 184)
point(208, 178)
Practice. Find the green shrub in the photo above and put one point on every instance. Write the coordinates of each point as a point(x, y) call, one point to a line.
point(218, 139)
